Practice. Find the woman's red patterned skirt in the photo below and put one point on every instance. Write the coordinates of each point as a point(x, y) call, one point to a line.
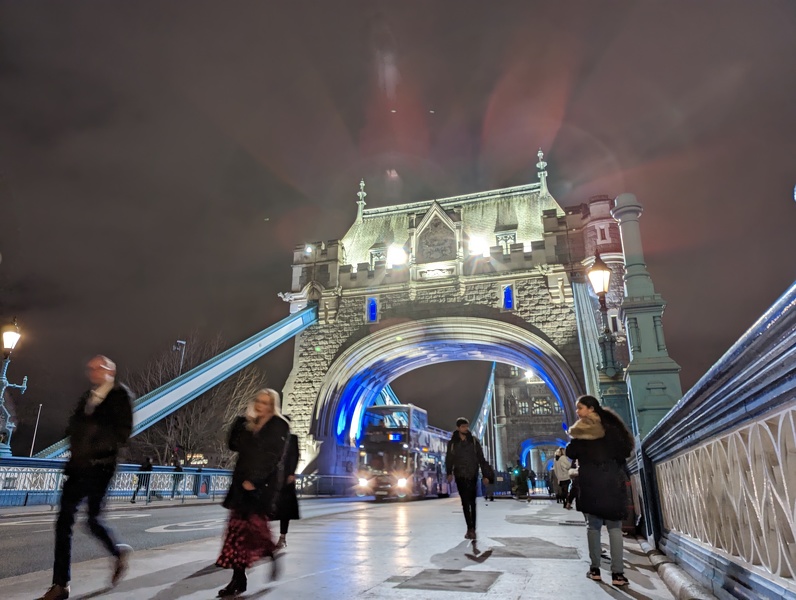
point(248, 540)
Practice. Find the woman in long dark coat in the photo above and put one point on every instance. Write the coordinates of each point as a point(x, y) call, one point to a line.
point(601, 444)
point(260, 439)
point(288, 501)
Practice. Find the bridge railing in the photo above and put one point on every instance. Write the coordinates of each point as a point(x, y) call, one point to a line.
point(42, 484)
point(31, 486)
point(720, 468)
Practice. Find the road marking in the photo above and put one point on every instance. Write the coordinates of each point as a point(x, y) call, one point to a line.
point(50, 520)
point(188, 526)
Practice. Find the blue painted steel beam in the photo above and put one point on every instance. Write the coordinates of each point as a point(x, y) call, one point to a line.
point(159, 403)
point(479, 422)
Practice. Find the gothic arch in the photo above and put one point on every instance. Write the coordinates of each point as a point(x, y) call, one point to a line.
point(529, 444)
point(360, 373)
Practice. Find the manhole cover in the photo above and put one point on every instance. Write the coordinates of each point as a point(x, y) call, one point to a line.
point(449, 580)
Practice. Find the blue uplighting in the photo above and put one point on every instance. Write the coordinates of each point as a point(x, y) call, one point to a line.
point(531, 443)
point(508, 298)
point(373, 310)
point(367, 387)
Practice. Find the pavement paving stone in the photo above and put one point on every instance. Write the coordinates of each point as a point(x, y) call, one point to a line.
point(394, 551)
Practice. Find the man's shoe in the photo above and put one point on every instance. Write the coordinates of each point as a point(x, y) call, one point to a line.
point(594, 574)
point(56, 592)
point(121, 565)
point(619, 579)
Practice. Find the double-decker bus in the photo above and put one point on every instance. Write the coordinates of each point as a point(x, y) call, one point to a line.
point(400, 456)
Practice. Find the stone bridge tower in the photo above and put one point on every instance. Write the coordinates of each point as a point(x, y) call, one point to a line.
point(495, 276)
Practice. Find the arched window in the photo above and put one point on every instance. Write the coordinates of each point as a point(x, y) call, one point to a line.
point(545, 406)
point(372, 310)
point(508, 297)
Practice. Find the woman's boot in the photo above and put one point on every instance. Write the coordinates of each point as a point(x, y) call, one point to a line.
point(236, 586)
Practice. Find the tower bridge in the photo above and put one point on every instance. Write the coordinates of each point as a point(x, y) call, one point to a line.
point(500, 276)
point(494, 276)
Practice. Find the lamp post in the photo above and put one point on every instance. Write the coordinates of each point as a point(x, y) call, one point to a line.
point(179, 346)
point(10, 334)
point(600, 277)
point(613, 390)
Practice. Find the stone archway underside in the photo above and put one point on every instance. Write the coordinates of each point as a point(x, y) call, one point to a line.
point(359, 374)
point(559, 441)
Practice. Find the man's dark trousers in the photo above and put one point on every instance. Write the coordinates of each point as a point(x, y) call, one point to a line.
point(90, 483)
point(468, 489)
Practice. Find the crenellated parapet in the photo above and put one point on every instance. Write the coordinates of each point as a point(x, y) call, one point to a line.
point(503, 235)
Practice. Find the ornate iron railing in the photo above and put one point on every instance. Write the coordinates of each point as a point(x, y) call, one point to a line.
point(723, 464)
point(739, 493)
point(27, 486)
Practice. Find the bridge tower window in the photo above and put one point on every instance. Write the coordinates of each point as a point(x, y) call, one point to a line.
point(507, 300)
point(372, 310)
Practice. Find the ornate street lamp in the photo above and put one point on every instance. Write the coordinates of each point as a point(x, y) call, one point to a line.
point(613, 390)
point(10, 337)
point(600, 278)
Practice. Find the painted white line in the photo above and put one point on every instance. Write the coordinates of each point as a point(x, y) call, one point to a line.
point(188, 526)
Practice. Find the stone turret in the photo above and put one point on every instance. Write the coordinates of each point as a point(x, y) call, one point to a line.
point(653, 378)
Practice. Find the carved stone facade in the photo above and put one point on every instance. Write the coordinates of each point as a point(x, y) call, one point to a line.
point(436, 243)
point(430, 296)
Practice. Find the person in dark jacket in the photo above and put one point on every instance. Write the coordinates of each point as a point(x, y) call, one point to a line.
point(288, 501)
point(100, 425)
point(462, 462)
point(143, 479)
point(261, 439)
point(601, 444)
point(176, 479)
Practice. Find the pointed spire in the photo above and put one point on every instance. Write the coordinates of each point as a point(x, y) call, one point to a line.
point(542, 175)
point(361, 202)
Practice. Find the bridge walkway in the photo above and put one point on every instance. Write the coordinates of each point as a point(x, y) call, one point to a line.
point(392, 550)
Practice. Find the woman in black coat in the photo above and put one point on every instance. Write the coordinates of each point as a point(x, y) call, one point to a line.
point(288, 501)
point(601, 444)
point(260, 439)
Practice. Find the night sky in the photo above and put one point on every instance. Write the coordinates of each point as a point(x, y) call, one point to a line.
point(159, 161)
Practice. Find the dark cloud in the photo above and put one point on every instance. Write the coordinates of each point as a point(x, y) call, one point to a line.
point(159, 161)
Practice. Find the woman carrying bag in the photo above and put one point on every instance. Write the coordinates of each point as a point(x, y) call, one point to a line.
point(260, 439)
point(601, 444)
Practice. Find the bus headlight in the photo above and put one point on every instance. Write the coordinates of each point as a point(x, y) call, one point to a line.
point(363, 482)
point(402, 482)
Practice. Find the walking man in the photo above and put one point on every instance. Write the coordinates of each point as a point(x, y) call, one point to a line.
point(99, 427)
point(463, 460)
